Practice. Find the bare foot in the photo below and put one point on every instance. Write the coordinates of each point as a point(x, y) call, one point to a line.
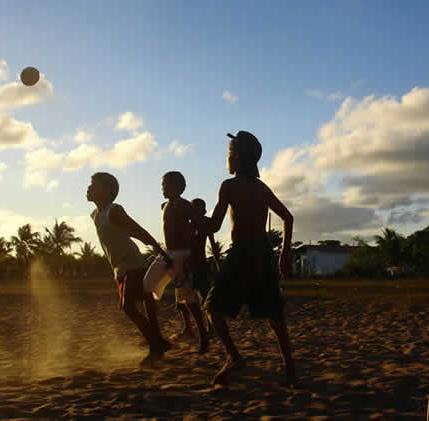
point(151, 358)
point(156, 353)
point(231, 365)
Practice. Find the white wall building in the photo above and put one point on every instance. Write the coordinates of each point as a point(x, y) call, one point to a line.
point(321, 259)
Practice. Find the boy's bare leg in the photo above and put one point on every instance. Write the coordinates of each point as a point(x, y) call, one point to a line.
point(195, 309)
point(140, 321)
point(156, 351)
point(185, 315)
point(221, 328)
point(234, 360)
point(151, 310)
point(280, 330)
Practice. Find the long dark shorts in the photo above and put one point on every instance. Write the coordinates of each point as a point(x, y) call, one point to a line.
point(249, 276)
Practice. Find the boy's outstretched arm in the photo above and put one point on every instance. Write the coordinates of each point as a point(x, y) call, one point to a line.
point(220, 209)
point(282, 211)
point(119, 217)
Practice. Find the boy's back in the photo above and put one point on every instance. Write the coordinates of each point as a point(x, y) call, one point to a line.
point(177, 227)
point(249, 201)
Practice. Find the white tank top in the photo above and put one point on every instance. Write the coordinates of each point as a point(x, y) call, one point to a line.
point(121, 252)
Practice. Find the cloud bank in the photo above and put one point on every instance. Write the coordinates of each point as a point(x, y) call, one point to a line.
point(376, 152)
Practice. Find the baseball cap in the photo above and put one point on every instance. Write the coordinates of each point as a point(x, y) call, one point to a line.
point(249, 150)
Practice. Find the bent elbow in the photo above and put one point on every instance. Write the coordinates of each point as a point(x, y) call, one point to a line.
point(215, 227)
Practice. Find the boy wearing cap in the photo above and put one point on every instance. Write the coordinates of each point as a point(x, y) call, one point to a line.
point(249, 274)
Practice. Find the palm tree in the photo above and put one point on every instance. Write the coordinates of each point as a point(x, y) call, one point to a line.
point(217, 247)
point(25, 243)
point(60, 238)
point(392, 246)
point(5, 249)
point(276, 239)
point(56, 241)
point(87, 251)
point(418, 251)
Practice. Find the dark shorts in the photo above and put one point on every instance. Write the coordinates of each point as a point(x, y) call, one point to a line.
point(249, 276)
point(200, 280)
point(130, 287)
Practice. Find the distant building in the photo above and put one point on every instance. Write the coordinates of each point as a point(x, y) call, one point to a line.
point(325, 258)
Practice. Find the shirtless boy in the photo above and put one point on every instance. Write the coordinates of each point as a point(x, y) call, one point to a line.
point(199, 263)
point(178, 230)
point(249, 274)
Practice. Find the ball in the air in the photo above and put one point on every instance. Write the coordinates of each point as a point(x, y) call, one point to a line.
point(30, 76)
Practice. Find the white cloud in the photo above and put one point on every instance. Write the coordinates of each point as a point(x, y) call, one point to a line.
point(10, 221)
point(82, 136)
point(38, 163)
point(229, 97)
point(15, 134)
point(179, 149)
point(123, 153)
point(329, 96)
point(3, 168)
point(4, 70)
point(127, 151)
point(377, 149)
point(16, 95)
point(382, 144)
point(53, 184)
point(129, 121)
point(82, 156)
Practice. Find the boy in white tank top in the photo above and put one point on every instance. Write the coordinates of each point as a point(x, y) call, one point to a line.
point(115, 230)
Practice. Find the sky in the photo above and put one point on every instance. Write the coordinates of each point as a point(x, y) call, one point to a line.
point(337, 92)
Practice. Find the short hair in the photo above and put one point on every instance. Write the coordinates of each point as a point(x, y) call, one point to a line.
point(108, 181)
point(199, 202)
point(177, 179)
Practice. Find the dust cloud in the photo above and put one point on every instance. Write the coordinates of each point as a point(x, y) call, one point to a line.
point(54, 328)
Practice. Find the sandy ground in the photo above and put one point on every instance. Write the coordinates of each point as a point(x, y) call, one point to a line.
point(72, 354)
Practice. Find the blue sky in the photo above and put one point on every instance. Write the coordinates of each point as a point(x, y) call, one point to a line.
point(290, 65)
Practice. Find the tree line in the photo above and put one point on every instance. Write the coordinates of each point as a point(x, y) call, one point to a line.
point(392, 254)
point(389, 254)
point(53, 248)
point(390, 251)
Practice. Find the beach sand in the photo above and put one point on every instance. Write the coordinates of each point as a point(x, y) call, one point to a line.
point(356, 359)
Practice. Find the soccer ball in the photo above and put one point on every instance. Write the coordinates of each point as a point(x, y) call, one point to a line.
point(30, 76)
